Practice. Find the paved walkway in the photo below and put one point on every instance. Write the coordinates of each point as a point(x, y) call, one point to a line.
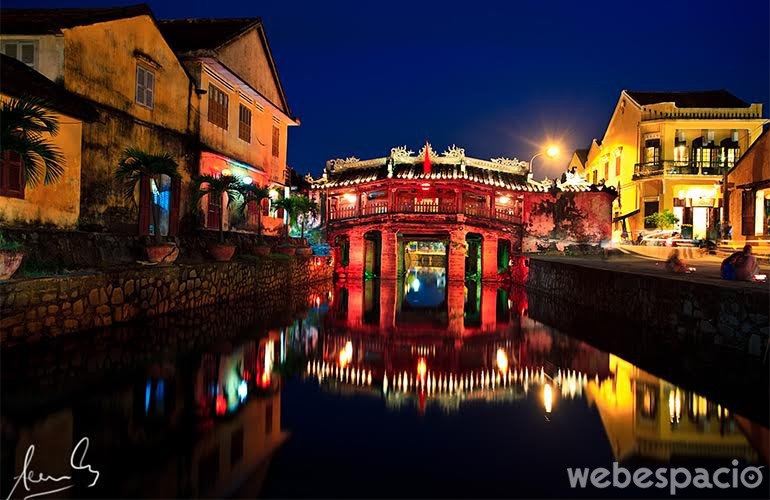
point(706, 269)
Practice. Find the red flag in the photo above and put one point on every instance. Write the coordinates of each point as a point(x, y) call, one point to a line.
point(426, 161)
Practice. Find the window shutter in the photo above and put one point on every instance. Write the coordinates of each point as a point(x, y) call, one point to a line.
point(176, 195)
point(27, 54)
point(145, 206)
point(11, 175)
point(149, 82)
point(11, 50)
point(265, 207)
point(139, 85)
point(748, 203)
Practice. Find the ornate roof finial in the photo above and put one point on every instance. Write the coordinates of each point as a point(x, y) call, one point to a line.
point(426, 166)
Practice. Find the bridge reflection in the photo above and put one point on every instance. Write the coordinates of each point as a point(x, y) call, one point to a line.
point(480, 345)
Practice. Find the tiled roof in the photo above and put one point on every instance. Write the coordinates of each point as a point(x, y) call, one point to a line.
point(17, 80)
point(52, 21)
point(690, 99)
point(187, 35)
point(505, 180)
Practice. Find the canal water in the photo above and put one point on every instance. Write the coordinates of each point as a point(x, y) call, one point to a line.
point(412, 388)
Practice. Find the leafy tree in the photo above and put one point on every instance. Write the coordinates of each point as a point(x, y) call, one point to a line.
point(136, 165)
point(300, 209)
point(23, 125)
point(216, 187)
point(662, 220)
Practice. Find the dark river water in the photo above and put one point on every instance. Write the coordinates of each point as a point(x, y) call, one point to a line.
point(415, 388)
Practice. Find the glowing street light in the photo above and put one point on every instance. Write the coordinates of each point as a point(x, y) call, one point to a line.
point(551, 152)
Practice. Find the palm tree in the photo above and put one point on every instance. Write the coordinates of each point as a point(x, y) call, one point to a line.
point(136, 165)
point(254, 193)
point(300, 209)
point(23, 125)
point(216, 187)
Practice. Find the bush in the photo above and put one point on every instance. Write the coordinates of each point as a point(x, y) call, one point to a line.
point(662, 220)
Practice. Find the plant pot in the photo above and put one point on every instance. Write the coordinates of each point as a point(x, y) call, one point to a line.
point(10, 260)
point(304, 251)
point(262, 250)
point(164, 253)
point(287, 249)
point(221, 253)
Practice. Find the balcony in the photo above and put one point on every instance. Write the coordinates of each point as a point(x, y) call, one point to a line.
point(510, 214)
point(670, 167)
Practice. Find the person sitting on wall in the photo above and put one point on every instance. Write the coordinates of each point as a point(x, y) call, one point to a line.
point(741, 265)
point(675, 264)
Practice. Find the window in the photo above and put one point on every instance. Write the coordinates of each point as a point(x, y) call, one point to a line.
point(748, 204)
point(650, 207)
point(214, 212)
point(217, 107)
point(606, 170)
point(596, 176)
point(617, 166)
point(652, 151)
point(145, 86)
point(24, 51)
point(244, 123)
point(276, 141)
point(11, 175)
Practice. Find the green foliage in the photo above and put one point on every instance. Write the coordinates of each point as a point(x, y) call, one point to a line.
point(253, 193)
point(217, 187)
point(23, 125)
point(9, 245)
point(300, 209)
point(662, 220)
point(135, 165)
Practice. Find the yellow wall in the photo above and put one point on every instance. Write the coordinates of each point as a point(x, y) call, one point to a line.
point(50, 53)
point(59, 203)
point(754, 167)
point(100, 63)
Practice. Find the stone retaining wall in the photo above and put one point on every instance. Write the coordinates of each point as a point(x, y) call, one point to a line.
point(699, 314)
point(48, 307)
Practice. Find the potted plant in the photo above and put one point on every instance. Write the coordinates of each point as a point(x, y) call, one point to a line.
point(11, 255)
point(219, 187)
point(256, 194)
point(135, 166)
point(288, 205)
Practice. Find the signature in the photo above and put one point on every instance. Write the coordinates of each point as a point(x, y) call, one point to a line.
point(28, 477)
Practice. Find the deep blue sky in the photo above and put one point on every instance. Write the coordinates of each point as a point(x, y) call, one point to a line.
point(497, 78)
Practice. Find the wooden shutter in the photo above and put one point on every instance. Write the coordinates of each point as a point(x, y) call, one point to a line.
point(214, 212)
point(265, 207)
point(276, 141)
point(11, 175)
point(145, 205)
point(748, 204)
point(176, 195)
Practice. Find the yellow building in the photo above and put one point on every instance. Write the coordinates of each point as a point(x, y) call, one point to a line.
point(670, 151)
point(56, 204)
point(244, 116)
point(117, 59)
point(647, 417)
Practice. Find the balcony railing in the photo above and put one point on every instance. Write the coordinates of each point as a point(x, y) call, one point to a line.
point(512, 214)
point(670, 167)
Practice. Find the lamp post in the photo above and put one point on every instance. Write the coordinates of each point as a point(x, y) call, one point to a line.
point(551, 152)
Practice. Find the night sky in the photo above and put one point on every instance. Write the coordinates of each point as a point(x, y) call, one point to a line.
point(499, 79)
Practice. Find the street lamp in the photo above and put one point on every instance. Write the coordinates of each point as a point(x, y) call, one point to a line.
point(551, 152)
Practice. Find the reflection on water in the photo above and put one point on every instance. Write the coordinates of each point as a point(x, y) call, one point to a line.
point(410, 379)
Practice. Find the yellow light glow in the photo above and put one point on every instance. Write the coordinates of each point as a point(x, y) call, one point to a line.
point(547, 398)
point(504, 200)
point(349, 197)
point(552, 151)
point(227, 171)
point(502, 360)
point(246, 180)
point(422, 368)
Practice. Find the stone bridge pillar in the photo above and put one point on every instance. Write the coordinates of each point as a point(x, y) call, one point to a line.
point(356, 259)
point(456, 308)
point(389, 260)
point(489, 258)
point(456, 257)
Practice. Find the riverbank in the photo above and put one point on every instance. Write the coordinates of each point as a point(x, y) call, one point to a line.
point(36, 308)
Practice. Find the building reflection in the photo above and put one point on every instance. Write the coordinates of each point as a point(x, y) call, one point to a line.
point(204, 426)
point(460, 343)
